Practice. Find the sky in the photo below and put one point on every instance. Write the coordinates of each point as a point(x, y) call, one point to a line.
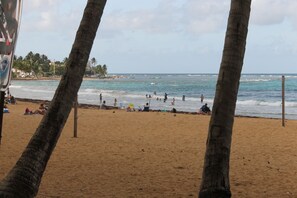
point(163, 36)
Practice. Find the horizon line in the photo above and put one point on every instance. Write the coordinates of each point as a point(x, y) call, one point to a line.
point(189, 73)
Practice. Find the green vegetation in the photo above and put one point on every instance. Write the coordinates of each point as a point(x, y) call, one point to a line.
point(37, 65)
point(95, 70)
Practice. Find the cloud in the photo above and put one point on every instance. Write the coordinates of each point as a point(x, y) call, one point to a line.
point(271, 12)
point(39, 4)
point(49, 15)
point(203, 17)
point(160, 19)
point(170, 16)
point(190, 17)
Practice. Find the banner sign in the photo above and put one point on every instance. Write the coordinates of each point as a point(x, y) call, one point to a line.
point(10, 15)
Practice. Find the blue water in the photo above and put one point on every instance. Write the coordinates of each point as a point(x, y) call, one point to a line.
point(259, 94)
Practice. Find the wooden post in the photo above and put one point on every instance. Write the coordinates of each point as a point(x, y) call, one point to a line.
point(2, 96)
point(75, 117)
point(283, 101)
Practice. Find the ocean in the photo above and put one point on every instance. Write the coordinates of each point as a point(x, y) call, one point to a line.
point(259, 95)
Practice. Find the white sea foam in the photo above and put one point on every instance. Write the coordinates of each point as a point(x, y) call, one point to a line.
point(255, 80)
point(266, 103)
point(196, 75)
point(290, 76)
point(15, 86)
point(291, 104)
point(258, 103)
point(38, 90)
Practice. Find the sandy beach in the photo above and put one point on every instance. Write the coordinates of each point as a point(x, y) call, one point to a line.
point(157, 154)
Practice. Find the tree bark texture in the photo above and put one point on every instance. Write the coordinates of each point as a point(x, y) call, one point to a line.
point(25, 177)
point(215, 177)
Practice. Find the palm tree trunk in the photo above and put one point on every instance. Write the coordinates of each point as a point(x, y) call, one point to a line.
point(25, 177)
point(215, 179)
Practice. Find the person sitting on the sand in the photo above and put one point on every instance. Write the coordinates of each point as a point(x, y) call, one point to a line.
point(146, 107)
point(28, 111)
point(173, 110)
point(8, 99)
point(41, 110)
point(130, 108)
point(103, 105)
point(5, 109)
point(205, 109)
point(12, 100)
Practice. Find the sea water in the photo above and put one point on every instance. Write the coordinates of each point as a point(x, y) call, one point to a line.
point(259, 95)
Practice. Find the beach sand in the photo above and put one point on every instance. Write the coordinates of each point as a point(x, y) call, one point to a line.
point(156, 154)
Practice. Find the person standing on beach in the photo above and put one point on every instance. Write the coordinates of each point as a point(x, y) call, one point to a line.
point(201, 98)
point(115, 102)
point(100, 98)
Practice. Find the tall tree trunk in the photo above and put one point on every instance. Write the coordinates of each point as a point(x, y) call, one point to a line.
point(215, 179)
point(25, 177)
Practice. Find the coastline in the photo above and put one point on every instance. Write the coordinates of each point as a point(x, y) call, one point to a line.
point(152, 154)
point(92, 106)
point(259, 95)
point(59, 78)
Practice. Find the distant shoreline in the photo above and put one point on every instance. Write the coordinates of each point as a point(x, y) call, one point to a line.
point(123, 75)
point(59, 78)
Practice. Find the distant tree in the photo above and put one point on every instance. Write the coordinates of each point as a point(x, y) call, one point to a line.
point(32, 61)
point(60, 69)
point(20, 64)
point(17, 58)
point(65, 60)
point(40, 65)
point(215, 179)
point(88, 71)
point(17, 62)
point(36, 63)
point(93, 61)
point(98, 70)
point(44, 63)
point(101, 70)
point(25, 177)
point(104, 70)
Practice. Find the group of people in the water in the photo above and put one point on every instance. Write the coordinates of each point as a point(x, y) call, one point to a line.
point(203, 110)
